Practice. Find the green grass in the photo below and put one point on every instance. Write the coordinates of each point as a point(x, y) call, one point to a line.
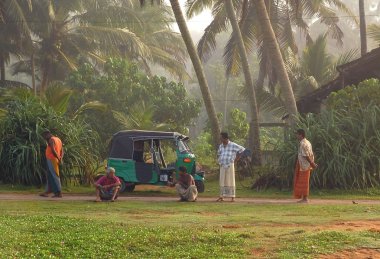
point(134, 229)
point(211, 190)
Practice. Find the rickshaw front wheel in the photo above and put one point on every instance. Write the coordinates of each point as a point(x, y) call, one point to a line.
point(200, 186)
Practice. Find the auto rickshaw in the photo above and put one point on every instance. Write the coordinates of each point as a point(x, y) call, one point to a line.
point(138, 158)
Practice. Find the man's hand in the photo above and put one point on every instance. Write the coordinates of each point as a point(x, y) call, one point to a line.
point(313, 165)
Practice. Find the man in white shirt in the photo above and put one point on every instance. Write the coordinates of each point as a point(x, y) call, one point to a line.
point(228, 153)
point(304, 165)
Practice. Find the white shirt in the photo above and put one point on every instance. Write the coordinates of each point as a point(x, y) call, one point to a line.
point(305, 149)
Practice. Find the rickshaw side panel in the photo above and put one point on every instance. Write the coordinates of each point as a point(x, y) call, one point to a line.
point(125, 168)
point(128, 171)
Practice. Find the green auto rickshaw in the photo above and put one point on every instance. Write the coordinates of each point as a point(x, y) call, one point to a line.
point(138, 158)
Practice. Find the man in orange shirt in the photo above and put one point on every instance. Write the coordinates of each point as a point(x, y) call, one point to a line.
point(54, 154)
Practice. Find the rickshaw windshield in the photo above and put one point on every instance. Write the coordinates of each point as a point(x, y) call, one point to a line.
point(183, 147)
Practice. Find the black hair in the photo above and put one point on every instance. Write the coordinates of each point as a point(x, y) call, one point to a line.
point(46, 132)
point(301, 132)
point(224, 135)
point(182, 169)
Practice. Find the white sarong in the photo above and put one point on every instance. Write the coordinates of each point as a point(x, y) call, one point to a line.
point(227, 181)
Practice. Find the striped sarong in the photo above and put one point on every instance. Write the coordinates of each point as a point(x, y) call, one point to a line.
point(301, 182)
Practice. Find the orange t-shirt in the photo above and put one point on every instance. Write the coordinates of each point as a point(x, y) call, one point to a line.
point(57, 147)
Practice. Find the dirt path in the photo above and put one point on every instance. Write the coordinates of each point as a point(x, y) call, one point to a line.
point(74, 197)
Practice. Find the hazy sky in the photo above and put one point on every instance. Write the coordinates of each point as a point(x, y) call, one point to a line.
point(198, 23)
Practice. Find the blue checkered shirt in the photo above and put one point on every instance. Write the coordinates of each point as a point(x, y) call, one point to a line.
point(227, 154)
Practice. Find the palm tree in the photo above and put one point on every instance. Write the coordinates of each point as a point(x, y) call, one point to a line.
point(277, 61)
point(363, 33)
point(215, 129)
point(254, 129)
point(69, 32)
point(14, 30)
point(284, 17)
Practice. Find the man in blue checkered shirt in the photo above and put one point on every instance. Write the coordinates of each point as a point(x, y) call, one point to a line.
point(228, 153)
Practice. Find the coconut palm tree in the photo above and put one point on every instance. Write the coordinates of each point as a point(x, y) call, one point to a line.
point(285, 17)
point(70, 32)
point(254, 129)
point(181, 22)
point(363, 32)
point(14, 30)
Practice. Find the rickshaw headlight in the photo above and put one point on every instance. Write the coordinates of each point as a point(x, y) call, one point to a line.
point(187, 160)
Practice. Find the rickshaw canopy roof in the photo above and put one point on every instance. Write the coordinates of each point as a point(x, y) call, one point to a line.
point(122, 141)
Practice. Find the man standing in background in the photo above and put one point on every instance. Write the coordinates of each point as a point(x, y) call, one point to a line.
point(228, 153)
point(304, 165)
point(54, 154)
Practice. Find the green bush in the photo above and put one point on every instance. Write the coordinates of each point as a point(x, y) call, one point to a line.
point(22, 149)
point(346, 147)
point(345, 139)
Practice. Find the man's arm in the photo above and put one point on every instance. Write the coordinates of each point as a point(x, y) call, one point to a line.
point(312, 164)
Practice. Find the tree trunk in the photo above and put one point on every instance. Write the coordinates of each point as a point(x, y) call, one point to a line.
point(45, 77)
point(225, 102)
point(215, 129)
point(33, 75)
point(254, 130)
point(277, 60)
point(363, 32)
point(2, 69)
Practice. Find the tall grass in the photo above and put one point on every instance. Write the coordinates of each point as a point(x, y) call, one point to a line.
point(22, 149)
point(346, 146)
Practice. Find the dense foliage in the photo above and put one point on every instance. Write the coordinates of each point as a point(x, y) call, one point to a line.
point(143, 102)
point(22, 149)
point(345, 139)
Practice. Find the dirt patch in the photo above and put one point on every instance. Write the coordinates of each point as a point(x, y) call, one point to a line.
point(363, 253)
point(231, 226)
point(258, 252)
point(368, 225)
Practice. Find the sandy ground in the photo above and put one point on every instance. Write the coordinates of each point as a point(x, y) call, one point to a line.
point(74, 197)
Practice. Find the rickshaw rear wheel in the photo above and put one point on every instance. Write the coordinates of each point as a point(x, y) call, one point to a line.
point(200, 186)
point(126, 186)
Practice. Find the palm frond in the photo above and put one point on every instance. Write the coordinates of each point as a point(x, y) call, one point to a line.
point(94, 105)
point(58, 97)
point(195, 7)
point(374, 32)
point(109, 39)
point(207, 43)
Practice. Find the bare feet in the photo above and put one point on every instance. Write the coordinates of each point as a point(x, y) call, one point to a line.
point(232, 199)
point(303, 201)
point(98, 200)
point(219, 199)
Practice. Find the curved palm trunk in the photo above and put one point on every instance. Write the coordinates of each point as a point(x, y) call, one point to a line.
point(254, 126)
point(225, 101)
point(33, 75)
point(215, 129)
point(45, 77)
point(277, 61)
point(363, 32)
point(2, 69)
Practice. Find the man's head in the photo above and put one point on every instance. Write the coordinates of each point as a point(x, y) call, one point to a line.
point(182, 170)
point(224, 138)
point(300, 133)
point(46, 134)
point(110, 172)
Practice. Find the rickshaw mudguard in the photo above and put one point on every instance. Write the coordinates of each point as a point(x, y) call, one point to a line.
point(198, 177)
